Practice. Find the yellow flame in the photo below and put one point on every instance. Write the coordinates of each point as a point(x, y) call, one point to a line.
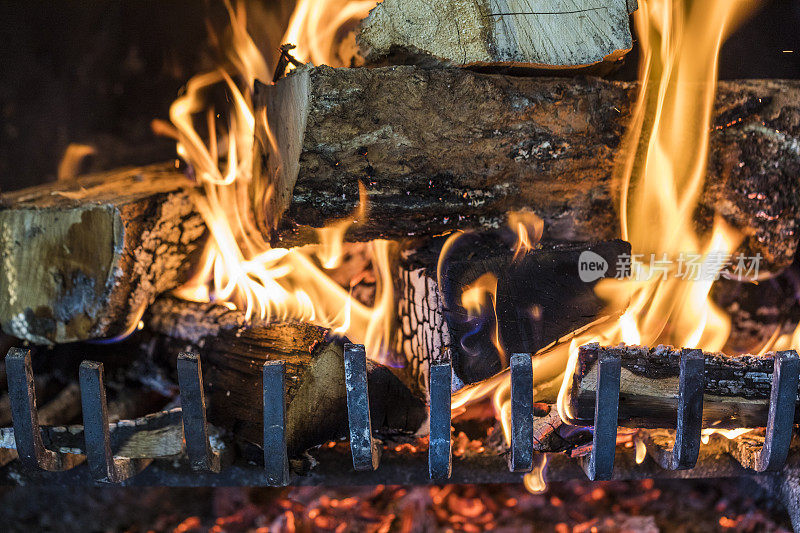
point(705, 435)
point(529, 229)
point(662, 176)
point(473, 298)
point(641, 450)
point(534, 480)
point(239, 267)
point(70, 163)
point(316, 26)
point(331, 237)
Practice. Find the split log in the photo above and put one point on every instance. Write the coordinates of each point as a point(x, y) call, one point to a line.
point(737, 388)
point(156, 435)
point(316, 410)
point(441, 149)
point(82, 259)
point(570, 33)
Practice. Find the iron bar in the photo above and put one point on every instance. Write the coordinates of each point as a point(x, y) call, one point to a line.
point(440, 453)
point(193, 411)
point(276, 460)
point(521, 456)
point(362, 445)
point(102, 463)
point(781, 411)
point(604, 441)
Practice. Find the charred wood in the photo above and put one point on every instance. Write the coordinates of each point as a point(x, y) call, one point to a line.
point(737, 389)
point(539, 297)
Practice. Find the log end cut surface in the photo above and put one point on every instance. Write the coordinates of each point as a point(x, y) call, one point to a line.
point(81, 260)
point(568, 33)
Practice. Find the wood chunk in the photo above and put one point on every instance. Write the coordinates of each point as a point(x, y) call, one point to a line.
point(81, 259)
point(568, 33)
point(737, 389)
point(232, 355)
point(442, 149)
point(156, 435)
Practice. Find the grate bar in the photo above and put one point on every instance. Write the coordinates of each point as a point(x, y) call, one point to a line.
point(102, 463)
point(604, 441)
point(24, 416)
point(690, 410)
point(366, 454)
point(276, 460)
point(193, 412)
point(521, 457)
point(781, 411)
point(440, 451)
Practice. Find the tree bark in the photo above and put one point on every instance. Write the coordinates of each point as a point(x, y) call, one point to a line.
point(737, 389)
point(506, 32)
point(441, 149)
point(82, 259)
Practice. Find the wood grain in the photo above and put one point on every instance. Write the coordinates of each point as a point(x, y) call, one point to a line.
point(82, 258)
point(533, 33)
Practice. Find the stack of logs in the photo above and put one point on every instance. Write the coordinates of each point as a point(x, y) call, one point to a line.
point(445, 141)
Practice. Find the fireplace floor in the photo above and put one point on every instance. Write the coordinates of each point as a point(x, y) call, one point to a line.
point(577, 506)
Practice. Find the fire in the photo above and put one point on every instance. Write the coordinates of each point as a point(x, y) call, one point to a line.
point(662, 177)
point(529, 229)
point(239, 267)
point(315, 29)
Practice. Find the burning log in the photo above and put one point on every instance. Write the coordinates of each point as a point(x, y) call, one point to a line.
point(316, 404)
point(480, 32)
point(737, 389)
point(529, 300)
point(441, 149)
point(82, 259)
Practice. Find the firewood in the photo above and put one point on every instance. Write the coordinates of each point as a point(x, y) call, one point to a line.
point(82, 259)
point(539, 299)
point(232, 354)
point(479, 32)
point(156, 435)
point(441, 149)
point(737, 389)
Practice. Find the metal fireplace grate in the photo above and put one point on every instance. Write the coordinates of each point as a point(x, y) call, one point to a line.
point(179, 447)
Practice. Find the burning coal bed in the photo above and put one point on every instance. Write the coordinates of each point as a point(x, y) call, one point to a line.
point(399, 253)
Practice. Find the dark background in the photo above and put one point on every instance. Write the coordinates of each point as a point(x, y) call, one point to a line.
point(98, 72)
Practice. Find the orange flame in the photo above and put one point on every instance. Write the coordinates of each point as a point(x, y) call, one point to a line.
point(662, 177)
point(239, 267)
point(529, 229)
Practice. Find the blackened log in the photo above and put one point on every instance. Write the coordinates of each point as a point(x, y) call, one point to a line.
point(441, 149)
point(737, 389)
point(540, 297)
point(81, 259)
